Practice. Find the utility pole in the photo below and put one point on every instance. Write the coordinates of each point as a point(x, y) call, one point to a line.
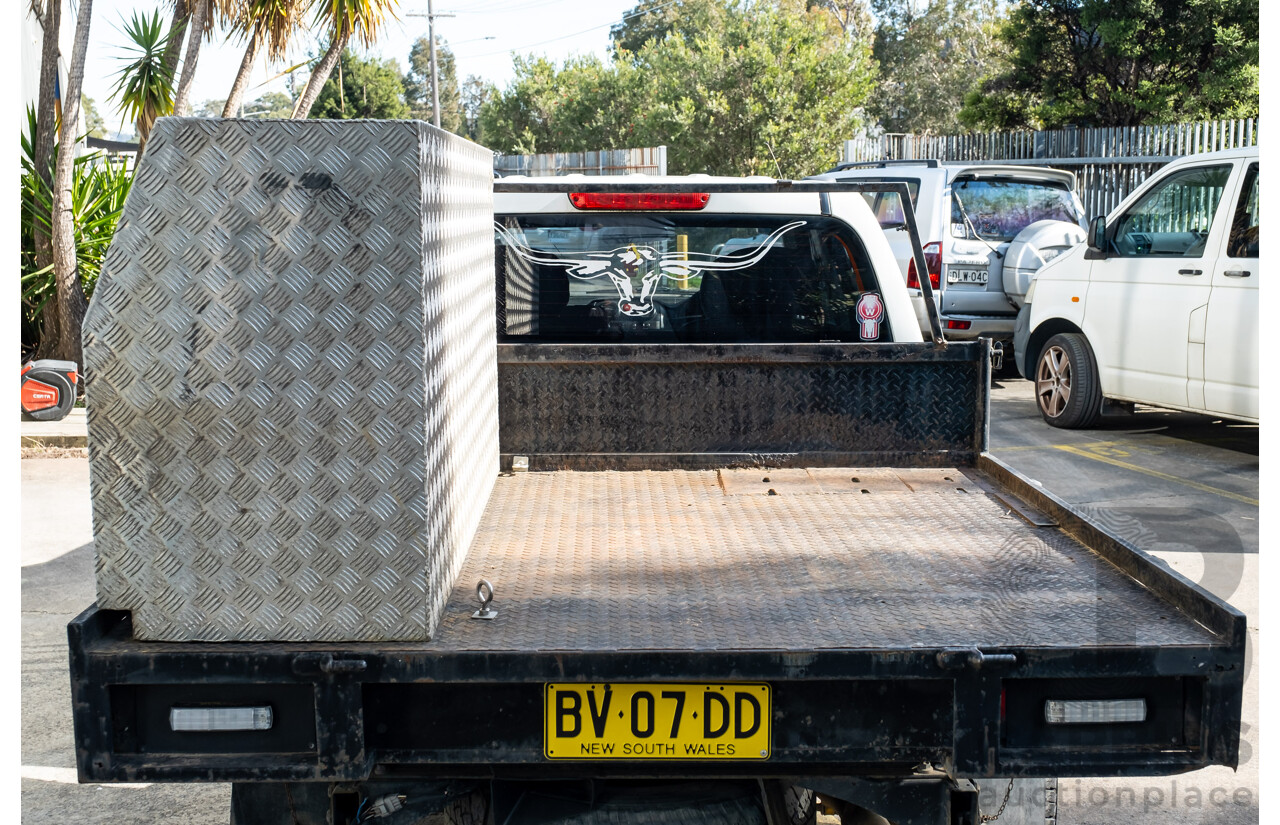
point(435, 75)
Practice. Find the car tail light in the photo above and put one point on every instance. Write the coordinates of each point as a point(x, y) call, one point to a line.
point(958, 324)
point(220, 719)
point(1094, 711)
point(639, 200)
point(932, 263)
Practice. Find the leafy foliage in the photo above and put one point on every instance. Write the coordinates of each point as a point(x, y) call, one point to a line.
point(475, 93)
point(930, 55)
point(1122, 63)
point(417, 84)
point(144, 88)
point(269, 105)
point(362, 19)
point(95, 126)
point(730, 87)
point(370, 88)
point(98, 192)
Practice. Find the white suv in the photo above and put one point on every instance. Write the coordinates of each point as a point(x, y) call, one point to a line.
point(985, 230)
point(1160, 307)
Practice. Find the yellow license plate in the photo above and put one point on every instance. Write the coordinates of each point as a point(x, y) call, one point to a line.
point(657, 721)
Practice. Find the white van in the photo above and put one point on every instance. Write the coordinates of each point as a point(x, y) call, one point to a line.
point(1160, 306)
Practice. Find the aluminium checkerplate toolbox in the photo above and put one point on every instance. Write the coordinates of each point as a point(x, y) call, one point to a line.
point(292, 382)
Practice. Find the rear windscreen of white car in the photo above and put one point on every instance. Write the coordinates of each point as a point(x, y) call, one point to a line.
point(997, 210)
point(688, 278)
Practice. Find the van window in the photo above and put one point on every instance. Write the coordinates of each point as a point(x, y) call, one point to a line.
point(1175, 217)
point(997, 210)
point(692, 278)
point(1244, 227)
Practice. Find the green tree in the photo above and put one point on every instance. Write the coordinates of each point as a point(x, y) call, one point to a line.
point(731, 88)
point(417, 84)
point(1121, 63)
point(94, 125)
point(475, 93)
point(930, 55)
point(144, 85)
point(362, 88)
point(68, 288)
point(268, 24)
point(344, 19)
point(653, 20)
point(581, 106)
point(277, 105)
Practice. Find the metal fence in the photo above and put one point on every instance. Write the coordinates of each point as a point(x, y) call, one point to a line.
point(1108, 163)
point(650, 160)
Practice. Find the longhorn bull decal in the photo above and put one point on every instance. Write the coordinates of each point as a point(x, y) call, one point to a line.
point(621, 263)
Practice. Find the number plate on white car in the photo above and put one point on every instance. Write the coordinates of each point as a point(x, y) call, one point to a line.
point(966, 276)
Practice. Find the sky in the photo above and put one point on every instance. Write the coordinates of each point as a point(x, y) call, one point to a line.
point(554, 28)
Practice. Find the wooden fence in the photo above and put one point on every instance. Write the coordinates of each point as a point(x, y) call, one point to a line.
point(650, 160)
point(1108, 163)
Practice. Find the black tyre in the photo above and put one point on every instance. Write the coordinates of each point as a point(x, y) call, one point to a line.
point(1067, 389)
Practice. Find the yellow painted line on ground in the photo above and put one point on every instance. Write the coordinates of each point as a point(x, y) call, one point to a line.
point(1204, 488)
point(1057, 446)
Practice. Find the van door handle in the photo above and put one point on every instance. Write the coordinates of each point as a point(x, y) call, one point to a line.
point(1190, 271)
point(1237, 273)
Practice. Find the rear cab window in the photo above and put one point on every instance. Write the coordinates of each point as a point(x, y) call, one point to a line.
point(684, 278)
point(997, 209)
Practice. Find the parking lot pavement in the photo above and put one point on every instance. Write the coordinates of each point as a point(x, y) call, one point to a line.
point(1182, 487)
point(57, 583)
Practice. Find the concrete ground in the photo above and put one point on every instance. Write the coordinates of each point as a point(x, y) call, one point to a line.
point(69, 432)
point(1181, 486)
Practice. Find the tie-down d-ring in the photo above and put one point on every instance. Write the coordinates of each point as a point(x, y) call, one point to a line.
point(484, 593)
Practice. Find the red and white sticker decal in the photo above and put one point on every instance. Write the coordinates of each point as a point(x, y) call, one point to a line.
point(870, 312)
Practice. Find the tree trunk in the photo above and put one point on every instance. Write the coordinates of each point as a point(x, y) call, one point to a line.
point(325, 67)
point(177, 29)
point(199, 13)
point(242, 77)
point(70, 295)
point(46, 127)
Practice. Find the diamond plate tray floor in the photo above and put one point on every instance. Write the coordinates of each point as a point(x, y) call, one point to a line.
point(687, 560)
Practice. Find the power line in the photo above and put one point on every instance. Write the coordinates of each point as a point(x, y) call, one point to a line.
point(625, 17)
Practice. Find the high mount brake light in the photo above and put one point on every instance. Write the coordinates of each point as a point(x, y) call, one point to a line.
point(639, 200)
point(932, 263)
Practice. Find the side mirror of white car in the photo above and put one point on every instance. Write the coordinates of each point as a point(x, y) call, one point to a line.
point(1098, 238)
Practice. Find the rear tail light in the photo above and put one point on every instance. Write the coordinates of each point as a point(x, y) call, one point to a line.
point(958, 324)
point(932, 263)
point(639, 200)
point(220, 719)
point(1094, 711)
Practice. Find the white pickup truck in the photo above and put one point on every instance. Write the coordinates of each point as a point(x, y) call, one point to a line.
point(744, 549)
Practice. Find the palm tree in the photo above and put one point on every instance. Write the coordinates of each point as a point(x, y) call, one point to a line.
point(344, 18)
point(145, 85)
point(71, 300)
point(49, 13)
point(269, 23)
